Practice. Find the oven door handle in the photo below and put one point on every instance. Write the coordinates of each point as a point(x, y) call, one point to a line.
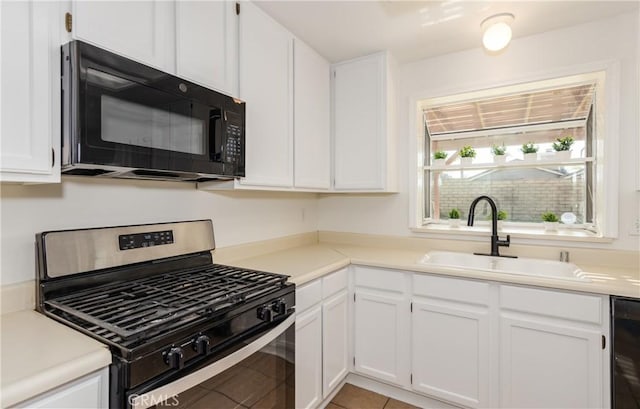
point(170, 390)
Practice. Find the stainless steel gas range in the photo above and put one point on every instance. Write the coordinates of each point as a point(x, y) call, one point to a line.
point(183, 331)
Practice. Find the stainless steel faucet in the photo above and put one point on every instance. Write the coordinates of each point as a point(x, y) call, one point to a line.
point(496, 243)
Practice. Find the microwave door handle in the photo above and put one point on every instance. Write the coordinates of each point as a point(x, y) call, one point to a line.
point(216, 137)
point(180, 385)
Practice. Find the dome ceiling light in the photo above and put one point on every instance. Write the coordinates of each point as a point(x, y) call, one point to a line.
point(496, 31)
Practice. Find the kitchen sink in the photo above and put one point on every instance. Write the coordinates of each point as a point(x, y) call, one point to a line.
point(522, 266)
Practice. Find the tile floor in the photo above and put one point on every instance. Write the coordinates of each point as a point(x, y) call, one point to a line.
point(353, 397)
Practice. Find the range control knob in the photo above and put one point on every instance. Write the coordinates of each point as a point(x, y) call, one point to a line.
point(174, 358)
point(201, 344)
point(280, 307)
point(265, 313)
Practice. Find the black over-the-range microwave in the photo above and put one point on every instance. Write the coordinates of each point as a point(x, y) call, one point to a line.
point(124, 119)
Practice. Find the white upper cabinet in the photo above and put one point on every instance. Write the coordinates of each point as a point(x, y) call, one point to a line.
point(30, 97)
point(140, 30)
point(363, 92)
point(312, 118)
point(266, 84)
point(207, 44)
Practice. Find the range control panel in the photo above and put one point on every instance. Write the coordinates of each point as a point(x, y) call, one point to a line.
point(139, 240)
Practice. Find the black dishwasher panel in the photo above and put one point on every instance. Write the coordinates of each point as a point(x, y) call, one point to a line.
point(625, 367)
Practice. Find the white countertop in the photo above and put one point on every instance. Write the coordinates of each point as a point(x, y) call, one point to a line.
point(39, 354)
point(306, 263)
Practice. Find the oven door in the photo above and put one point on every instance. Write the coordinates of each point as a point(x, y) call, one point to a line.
point(129, 115)
point(261, 374)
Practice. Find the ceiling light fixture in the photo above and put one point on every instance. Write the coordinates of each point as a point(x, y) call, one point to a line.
point(496, 31)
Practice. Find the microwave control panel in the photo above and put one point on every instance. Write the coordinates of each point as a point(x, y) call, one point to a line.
point(233, 146)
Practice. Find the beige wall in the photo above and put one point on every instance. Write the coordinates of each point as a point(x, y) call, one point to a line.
point(238, 217)
point(614, 39)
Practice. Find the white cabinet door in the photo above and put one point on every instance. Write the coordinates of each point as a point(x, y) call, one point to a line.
point(140, 30)
point(207, 44)
point(311, 118)
point(30, 97)
point(88, 392)
point(546, 365)
point(266, 84)
point(451, 352)
point(381, 336)
point(335, 344)
point(309, 358)
point(359, 112)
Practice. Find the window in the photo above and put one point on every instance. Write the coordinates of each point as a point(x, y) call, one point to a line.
point(537, 113)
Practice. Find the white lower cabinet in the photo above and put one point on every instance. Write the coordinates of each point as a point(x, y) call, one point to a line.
point(471, 343)
point(90, 391)
point(480, 344)
point(309, 358)
point(322, 347)
point(335, 347)
point(552, 350)
point(381, 325)
point(450, 337)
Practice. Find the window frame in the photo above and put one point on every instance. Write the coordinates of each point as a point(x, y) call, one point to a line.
point(606, 170)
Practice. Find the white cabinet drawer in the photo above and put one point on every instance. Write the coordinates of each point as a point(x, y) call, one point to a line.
point(334, 282)
point(451, 289)
point(578, 307)
point(308, 295)
point(387, 280)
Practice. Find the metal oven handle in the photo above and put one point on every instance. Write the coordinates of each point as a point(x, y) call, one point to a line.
point(169, 390)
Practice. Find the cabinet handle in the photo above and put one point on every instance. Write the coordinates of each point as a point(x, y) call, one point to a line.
point(68, 22)
point(604, 342)
point(53, 157)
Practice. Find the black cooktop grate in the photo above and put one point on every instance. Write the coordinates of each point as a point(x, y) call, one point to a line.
point(136, 309)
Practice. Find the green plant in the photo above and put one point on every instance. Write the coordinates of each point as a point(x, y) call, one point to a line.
point(529, 147)
point(467, 152)
point(498, 150)
point(563, 144)
point(440, 155)
point(454, 214)
point(549, 217)
point(502, 215)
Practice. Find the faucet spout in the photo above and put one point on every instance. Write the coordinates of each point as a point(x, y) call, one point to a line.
point(496, 243)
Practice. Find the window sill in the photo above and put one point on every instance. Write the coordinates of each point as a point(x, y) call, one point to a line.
point(518, 232)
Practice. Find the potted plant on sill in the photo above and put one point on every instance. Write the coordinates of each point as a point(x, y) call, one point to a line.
point(467, 153)
point(439, 158)
point(550, 221)
point(499, 153)
point(530, 151)
point(454, 218)
point(502, 215)
point(562, 147)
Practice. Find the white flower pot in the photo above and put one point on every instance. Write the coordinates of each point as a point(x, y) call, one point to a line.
point(551, 226)
point(530, 157)
point(454, 222)
point(440, 163)
point(562, 155)
point(499, 158)
point(466, 161)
